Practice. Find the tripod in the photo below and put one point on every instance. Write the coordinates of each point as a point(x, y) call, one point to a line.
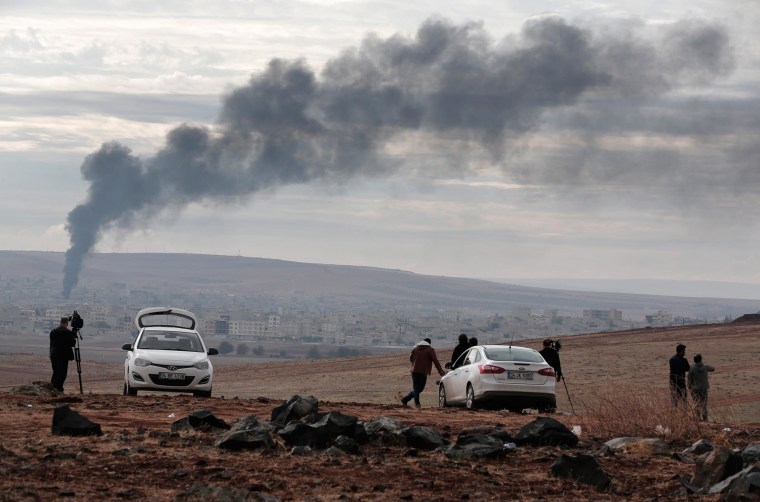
point(568, 394)
point(78, 357)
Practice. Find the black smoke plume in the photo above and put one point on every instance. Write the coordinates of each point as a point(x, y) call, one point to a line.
point(448, 83)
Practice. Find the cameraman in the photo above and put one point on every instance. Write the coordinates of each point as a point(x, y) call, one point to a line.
point(62, 339)
point(552, 357)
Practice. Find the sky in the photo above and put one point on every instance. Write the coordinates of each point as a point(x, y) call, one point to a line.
point(511, 139)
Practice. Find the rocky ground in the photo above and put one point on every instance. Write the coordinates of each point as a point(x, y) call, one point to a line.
point(138, 457)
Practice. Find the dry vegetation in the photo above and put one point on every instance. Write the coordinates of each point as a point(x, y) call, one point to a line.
point(617, 383)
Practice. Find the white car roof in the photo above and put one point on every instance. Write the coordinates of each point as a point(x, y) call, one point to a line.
point(166, 317)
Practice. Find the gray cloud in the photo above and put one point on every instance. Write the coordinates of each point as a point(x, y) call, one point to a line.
point(289, 125)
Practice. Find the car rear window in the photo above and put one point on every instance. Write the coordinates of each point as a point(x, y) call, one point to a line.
point(170, 340)
point(514, 354)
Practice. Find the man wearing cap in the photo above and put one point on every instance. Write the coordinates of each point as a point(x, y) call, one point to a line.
point(422, 358)
point(62, 339)
point(679, 366)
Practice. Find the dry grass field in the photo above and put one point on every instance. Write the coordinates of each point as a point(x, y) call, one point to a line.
point(137, 458)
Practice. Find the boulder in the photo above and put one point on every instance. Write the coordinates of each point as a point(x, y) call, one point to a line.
point(300, 434)
point(699, 448)
point(653, 446)
point(67, 422)
point(581, 468)
point(295, 408)
point(424, 438)
point(751, 453)
point(545, 431)
point(744, 484)
point(716, 466)
point(347, 444)
point(247, 433)
point(487, 430)
point(202, 420)
point(478, 446)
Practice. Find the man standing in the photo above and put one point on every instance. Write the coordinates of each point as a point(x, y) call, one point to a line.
point(460, 349)
point(422, 358)
point(552, 357)
point(679, 366)
point(698, 385)
point(62, 339)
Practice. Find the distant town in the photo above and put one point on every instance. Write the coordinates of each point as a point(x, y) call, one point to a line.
point(32, 307)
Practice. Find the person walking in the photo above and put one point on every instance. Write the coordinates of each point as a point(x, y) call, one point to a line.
point(552, 357)
point(679, 367)
point(460, 349)
point(62, 339)
point(699, 384)
point(423, 358)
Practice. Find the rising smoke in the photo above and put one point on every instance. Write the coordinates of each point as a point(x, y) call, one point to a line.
point(449, 82)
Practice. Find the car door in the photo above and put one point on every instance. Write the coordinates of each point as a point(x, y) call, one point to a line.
point(460, 377)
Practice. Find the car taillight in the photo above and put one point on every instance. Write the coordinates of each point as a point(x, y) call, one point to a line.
point(490, 368)
point(546, 372)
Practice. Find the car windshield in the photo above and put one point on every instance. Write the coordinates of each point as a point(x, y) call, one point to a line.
point(170, 340)
point(513, 354)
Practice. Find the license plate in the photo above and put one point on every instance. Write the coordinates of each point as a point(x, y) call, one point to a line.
point(171, 376)
point(520, 375)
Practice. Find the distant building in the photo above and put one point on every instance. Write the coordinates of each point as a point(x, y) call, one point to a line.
point(602, 315)
point(660, 318)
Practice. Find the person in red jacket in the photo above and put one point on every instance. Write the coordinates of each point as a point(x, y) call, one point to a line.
point(423, 358)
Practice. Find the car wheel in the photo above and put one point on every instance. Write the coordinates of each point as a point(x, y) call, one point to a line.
point(129, 391)
point(441, 396)
point(470, 401)
point(202, 393)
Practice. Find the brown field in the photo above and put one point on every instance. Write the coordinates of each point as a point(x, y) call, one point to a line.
point(603, 364)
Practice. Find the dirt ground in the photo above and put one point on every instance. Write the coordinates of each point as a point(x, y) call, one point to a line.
point(138, 458)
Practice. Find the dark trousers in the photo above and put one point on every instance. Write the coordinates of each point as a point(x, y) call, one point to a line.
point(678, 390)
point(418, 385)
point(60, 370)
point(700, 402)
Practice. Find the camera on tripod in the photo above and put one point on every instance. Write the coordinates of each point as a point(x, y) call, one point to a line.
point(555, 344)
point(76, 321)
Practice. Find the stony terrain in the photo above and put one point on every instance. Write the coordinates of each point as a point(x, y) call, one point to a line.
point(139, 457)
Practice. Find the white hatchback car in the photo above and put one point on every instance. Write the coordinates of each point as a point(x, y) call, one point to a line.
point(502, 376)
point(168, 354)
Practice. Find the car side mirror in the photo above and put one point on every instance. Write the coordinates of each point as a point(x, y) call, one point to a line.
point(212, 351)
point(447, 365)
point(126, 346)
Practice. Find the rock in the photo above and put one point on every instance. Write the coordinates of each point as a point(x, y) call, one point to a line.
point(700, 447)
point(496, 432)
point(545, 431)
point(36, 389)
point(67, 422)
point(380, 425)
point(202, 420)
point(347, 444)
point(203, 493)
point(247, 433)
point(295, 408)
point(298, 434)
point(337, 424)
point(423, 438)
point(751, 453)
point(478, 446)
point(300, 450)
point(716, 466)
point(744, 484)
point(649, 446)
point(581, 468)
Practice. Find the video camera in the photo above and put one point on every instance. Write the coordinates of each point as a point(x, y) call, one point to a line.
point(556, 345)
point(76, 321)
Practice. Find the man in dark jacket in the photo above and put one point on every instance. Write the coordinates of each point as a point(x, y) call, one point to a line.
point(62, 339)
point(460, 349)
point(422, 358)
point(552, 357)
point(699, 384)
point(679, 366)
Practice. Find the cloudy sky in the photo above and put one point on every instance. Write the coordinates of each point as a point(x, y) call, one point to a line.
point(539, 138)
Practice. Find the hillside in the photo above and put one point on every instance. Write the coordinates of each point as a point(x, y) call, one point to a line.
point(104, 274)
point(138, 456)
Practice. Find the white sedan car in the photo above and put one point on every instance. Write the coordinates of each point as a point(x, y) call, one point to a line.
point(501, 376)
point(168, 354)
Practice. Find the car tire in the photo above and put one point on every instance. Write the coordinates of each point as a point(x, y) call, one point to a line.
point(441, 396)
point(129, 391)
point(469, 401)
point(202, 393)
